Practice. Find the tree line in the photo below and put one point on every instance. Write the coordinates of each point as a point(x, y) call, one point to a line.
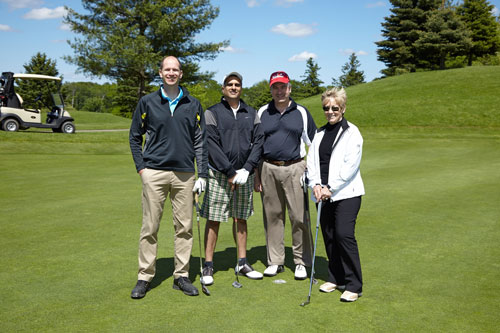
point(124, 41)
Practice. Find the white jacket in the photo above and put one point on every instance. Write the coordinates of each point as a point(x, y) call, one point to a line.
point(344, 177)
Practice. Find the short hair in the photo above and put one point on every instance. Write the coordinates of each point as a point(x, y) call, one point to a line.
point(337, 93)
point(163, 60)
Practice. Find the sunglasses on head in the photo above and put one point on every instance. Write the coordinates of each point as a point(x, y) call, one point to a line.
point(328, 108)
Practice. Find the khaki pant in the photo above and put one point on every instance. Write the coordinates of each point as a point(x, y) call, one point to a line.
point(281, 190)
point(156, 185)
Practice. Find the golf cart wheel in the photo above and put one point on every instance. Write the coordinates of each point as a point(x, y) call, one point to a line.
point(11, 125)
point(68, 127)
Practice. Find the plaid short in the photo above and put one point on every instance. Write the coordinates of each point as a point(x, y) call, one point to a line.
point(218, 199)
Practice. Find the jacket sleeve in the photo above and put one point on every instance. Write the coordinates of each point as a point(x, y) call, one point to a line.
point(217, 156)
point(350, 162)
point(257, 143)
point(137, 130)
point(200, 143)
point(311, 126)
point(313, 172)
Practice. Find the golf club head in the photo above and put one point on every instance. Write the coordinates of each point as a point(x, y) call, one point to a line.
point(236, 284)
point(304, 303)
point(205, 290)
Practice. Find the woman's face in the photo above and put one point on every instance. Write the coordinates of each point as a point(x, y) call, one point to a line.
point(333, 111)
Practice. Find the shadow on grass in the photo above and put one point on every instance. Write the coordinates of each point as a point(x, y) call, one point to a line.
point(226, 260)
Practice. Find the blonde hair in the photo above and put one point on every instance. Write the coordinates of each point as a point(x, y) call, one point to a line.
point(336, 93)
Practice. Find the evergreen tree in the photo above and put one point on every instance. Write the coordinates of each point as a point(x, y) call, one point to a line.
point(350, 73)
point(258, 95)
point(478, 17)
point(31, 90)
point(400, 31)
point(444, 35)
point(311, 78)
point(125, 41)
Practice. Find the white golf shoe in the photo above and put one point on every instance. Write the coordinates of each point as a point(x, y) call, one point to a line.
point(348, 296)
point(327, 287)
point(300, 272)
point(272, 270)
point(249, 272)
point(208, 275)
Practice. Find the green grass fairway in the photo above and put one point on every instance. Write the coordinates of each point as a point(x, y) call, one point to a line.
point(428, 233)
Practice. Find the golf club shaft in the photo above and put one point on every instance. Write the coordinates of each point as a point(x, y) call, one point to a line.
point(197, 206)
point(236, 272)
point(314, 253)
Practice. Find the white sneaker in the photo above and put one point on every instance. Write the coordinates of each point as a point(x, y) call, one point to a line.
point(300, 272)
point(328, 287)
point(272, 270)
point(207, 276)
point(348, 296)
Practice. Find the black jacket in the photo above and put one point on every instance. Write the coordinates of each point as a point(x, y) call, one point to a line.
point(172, 141)
point(233, 143)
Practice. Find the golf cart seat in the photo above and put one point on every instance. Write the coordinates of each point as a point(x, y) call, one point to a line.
point(20, 99)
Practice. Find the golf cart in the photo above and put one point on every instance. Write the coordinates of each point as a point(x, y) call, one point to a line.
point(14, 116)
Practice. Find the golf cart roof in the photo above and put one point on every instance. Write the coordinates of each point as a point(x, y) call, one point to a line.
point(36, 77)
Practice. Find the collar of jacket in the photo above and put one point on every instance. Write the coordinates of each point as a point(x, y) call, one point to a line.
point(243, 105)
point(185, 93)
point(292, 106)
point(343, 124)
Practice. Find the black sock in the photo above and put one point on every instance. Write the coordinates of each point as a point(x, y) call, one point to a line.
point(242, 261)
point(209, 264)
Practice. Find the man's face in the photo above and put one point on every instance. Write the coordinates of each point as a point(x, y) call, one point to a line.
point(170, 72)
point(280, 92)
point(232, 88)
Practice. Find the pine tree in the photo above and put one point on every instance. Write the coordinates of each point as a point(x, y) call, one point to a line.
point(351, 75)
point(478, 17)
point(444, 35)
point(401, 30)
point(125, 40)
point(311, 78)
point(30, 90)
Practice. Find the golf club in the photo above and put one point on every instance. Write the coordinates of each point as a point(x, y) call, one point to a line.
point(236, 283)
point(307, 217)
point(314, 257)
point(196, 203)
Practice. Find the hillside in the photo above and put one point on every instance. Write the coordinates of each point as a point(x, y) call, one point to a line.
point(465, 97)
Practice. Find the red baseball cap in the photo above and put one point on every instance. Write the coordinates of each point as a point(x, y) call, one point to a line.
point(278, 77)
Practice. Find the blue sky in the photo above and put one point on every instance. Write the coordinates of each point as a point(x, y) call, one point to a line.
point(264, 35)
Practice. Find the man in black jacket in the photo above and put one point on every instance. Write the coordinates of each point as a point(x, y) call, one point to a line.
point(174, 125)
point(234, 141)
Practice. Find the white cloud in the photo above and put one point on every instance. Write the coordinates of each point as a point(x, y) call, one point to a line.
point(231, 49)
point(4, 27)
point(351, 51)
point(252, 3)
point(495, 11)
point(17, 4)
point(46, 13)
point(65, 27)
point(294, 29)
point(287, 3)
point(375, 4)
point(303, 56)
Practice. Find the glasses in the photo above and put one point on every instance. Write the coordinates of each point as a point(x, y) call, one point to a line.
point(333, 108)
point(278, 74)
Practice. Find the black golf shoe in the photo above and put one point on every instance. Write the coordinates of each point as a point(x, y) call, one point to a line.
point(140, 289)
point(186, 286)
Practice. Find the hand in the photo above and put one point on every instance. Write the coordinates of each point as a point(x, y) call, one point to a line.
point(317, 192)
point(241, 177)
point(326, 194)
point(199, 185)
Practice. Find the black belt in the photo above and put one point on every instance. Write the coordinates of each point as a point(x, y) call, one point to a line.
point(283, 163)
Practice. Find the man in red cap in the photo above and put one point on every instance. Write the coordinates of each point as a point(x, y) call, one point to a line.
point(287, 128)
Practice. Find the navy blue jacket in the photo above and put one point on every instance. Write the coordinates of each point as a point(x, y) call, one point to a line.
point(233, 143)
point(172, 141)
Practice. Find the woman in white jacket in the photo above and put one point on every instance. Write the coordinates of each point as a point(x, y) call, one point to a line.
point(333, 170)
